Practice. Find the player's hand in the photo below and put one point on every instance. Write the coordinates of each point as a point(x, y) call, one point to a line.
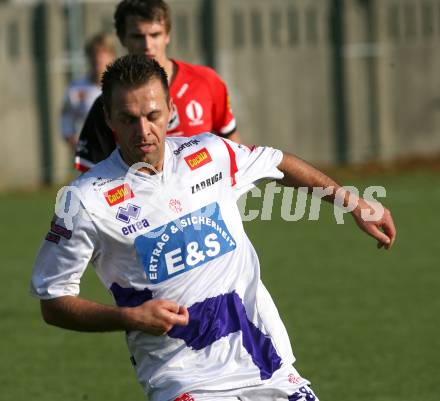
point(376, 221)
point(158, 316)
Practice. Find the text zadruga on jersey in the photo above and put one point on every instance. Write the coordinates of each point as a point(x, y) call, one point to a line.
point(184, 244)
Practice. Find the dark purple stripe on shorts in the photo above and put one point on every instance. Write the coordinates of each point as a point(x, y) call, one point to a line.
point(220, 316)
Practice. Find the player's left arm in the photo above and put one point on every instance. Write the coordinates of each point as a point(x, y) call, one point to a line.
point(298, 173)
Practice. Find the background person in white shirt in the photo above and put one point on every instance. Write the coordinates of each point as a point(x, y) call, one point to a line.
point(81, 93)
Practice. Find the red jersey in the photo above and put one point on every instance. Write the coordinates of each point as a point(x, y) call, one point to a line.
point(201, 104)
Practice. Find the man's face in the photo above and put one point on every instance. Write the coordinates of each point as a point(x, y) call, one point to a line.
point(139, 118)
point(146, 37)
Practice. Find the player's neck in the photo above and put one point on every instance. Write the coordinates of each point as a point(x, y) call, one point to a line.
point(156, 167)
point(150, 167)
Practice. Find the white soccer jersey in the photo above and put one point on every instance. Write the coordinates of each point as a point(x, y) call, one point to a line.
point(176, 235)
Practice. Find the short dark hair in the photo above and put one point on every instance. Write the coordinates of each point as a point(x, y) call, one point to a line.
point(131, 71)
point(150, 10)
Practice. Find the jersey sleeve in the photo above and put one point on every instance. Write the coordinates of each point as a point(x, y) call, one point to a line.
point(224, 122)
point(65, 253)
point(249, 164)
point(96, 141)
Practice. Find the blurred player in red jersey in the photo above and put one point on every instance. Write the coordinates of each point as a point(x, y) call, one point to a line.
point(200, 97)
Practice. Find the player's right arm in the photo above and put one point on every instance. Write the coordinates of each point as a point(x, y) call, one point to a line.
point(155, 316)
point(248, 165)
point(72, 241)
point(298, 173)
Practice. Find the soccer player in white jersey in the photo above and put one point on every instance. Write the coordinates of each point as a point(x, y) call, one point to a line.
point(159, 221)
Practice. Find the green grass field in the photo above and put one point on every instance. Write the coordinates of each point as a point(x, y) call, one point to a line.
point(364, 323)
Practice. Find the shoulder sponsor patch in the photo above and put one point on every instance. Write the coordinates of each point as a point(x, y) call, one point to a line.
point(56, 232)
point(119, 194)
point(206, 183)
point(60, 230)
point(184, 244)
point(198, 159)
point(51, 237)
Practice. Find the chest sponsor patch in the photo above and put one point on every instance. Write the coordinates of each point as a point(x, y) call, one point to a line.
point(206, 183)
point(184, 244)
point(119, 194)
point(198, 159)
point(194, 112)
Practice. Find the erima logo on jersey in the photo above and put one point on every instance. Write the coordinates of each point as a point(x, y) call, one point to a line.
point(184, 244)
point(206, 183)
point(119, 194)
point(135, 227)
point(125, 214)
point(198, 159)
point(129, 213)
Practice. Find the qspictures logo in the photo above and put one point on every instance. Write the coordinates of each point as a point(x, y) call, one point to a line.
point(119, 194)
point(293, 208)
point(198, 159)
